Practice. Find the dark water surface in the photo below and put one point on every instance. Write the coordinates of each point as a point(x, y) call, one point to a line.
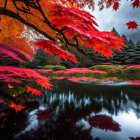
point(77, 111)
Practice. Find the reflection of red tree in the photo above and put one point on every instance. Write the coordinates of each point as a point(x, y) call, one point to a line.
point(104, 122)
point(44, 114)
point(137, 138)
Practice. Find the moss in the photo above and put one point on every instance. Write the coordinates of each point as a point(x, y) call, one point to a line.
point(54, 67)
point(39, 67)
point(116, 71)
point(59, 67)
point(48, 67)
point(107, 67)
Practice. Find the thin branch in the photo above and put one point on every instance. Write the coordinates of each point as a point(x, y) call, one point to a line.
point(5, 3)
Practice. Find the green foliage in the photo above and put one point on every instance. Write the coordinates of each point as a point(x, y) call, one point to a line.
point(107, 67)
point(54, 67)
point(48, 67)
point(59, 67)
point(125, 39)
point(115, 31)
point(40, 59)
point(131, 43)
point(133, 70)
point(138, 43)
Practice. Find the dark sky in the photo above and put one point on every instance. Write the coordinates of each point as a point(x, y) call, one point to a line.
point(108, 18)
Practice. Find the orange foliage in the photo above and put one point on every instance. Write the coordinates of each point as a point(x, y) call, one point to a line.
point(20, 43)
point(16, 107)
point(10, 86)
point(10, 27)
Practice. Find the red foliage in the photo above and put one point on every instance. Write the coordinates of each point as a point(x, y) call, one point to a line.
point(108, 3)
point(44, 71)
point(17, 75)
point(53, 49)
point(16, 107)
point(107, 79)
point(132, 138)
point(134, 82)
point(78, 79)
point(132, 25)
point(82, 70)
point(136, 3)
point(44, 84)
point(13, 53)
point(116, 6)
point(107, 63)
point(59, 71)
point(80, 23)
point(34, 91)
point(137, 66)
point(104, 122)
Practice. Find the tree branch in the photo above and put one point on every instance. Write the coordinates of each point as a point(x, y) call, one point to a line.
point(5, 3)
point(9, 13)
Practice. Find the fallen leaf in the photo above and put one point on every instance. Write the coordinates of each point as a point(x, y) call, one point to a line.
point(10, 86)
point(16, 107)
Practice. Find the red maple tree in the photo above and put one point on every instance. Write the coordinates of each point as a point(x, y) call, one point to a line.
point(62, 23)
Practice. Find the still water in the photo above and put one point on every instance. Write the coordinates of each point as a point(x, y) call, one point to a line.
point(77, 111)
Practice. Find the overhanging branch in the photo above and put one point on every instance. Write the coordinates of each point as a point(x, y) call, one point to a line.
point(9, 13)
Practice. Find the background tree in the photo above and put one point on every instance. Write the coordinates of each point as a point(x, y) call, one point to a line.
point(138, 43)
point(131, 42)
point(40, 59)
point(114, 31)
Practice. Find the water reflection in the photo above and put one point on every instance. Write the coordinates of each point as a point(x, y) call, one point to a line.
point(77, 111)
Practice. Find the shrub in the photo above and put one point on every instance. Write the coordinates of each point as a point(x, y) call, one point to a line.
point(48, 67)
point(59, 67)
point(133, 70)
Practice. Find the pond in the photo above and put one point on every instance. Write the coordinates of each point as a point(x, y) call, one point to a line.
point(77, 111)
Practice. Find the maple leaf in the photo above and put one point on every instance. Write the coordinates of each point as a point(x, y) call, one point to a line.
point(16, 107)
point(54, 49)
point(44, 84)
point(116, 6)
point(136, 3)
point(10, 86)
point(34, 91)
point(132, 25)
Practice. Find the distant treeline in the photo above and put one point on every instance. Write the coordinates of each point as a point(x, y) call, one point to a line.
point(129, 55)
